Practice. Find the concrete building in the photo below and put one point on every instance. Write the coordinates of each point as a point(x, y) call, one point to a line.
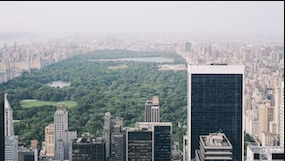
point(147, 111)
point(266, 153)
point(25, 154)
point(152, 110)
point(34, 144)
point(63, 137)
point(282, 115)
point(149, 141)
point(185, 148)
point(107, 132)
point(11, 142)
point(11, 148)
point(215, 101)
point(215, 146)
point(2, 127)
point(49, 140)
point(108, 129)
point(265, 117)
point(118, 144)
point(92, 149)
point(9, 128)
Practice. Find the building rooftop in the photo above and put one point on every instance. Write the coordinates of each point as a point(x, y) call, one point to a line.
point(215, 140)
point(266, 149)
point(88, 140)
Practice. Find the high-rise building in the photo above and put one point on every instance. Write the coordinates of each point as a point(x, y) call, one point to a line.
point(185, 148)
point(257, 153)
point(63, 137)
point(152, 110)
point(215, 102)
point(92, 149)
point(108, 129)
point(155, 111)
point(11, 148)
point(149, 141)
point(107, 132)
point(139, 144)
point(11, 142)
point(49, 140)
point(214, 147)
point(147, 111)
point(25, 154)
point(9, 128)
point(2, 131)
point(118, 144)
point(282, 115)
point(187, 46)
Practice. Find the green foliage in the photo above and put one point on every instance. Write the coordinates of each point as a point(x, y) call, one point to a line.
point(35, 103)
point(97, 89)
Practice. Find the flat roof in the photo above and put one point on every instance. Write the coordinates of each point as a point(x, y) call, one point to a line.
point(216, 69)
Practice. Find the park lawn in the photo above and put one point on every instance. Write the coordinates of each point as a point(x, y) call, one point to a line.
point(35, 103)
point(118, 67)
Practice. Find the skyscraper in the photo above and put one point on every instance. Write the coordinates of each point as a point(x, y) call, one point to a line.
point(9, 128)
point(282, 115)
point(214, 147)
point(152, 110)
point(11, 142)
point(215, 101)
point(149, 141)
point(187, 46)
point(109, 125)
point(147, 111)
point(2, 133)
point(63, 137)
point(49, 140)
point(118, 144)
point(92, 149)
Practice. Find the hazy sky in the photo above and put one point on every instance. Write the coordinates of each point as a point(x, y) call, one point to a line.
point(137, 17)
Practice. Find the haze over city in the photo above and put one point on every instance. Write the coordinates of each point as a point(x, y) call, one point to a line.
point(205, 18)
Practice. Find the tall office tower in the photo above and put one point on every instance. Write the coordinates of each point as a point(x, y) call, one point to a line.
point(63, 137)
point(155, 111)
point(139, 144)
point(49, 140)
point(282, 115)
point(11, 142)
point(11, 148)
point(92, 149)
point(118, 144)
point(9, 128)
point(2, 131)
point(215, 101)
point(265, 115)
point(109, 124)
point(185, 148)
point(152, 110)
point(107, 132)
point(149, 141)
point(187, 46)
point(147, 111)
point(214, 147)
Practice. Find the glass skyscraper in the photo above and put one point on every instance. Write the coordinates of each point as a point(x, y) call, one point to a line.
point(215, 103)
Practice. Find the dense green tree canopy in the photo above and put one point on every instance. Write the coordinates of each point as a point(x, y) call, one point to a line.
point(97, 89)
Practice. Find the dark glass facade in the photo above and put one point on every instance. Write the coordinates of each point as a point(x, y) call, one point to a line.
point(216, 104)
point(2, 140)
point(162, 143)
point(139, 145)
point(88, 151)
